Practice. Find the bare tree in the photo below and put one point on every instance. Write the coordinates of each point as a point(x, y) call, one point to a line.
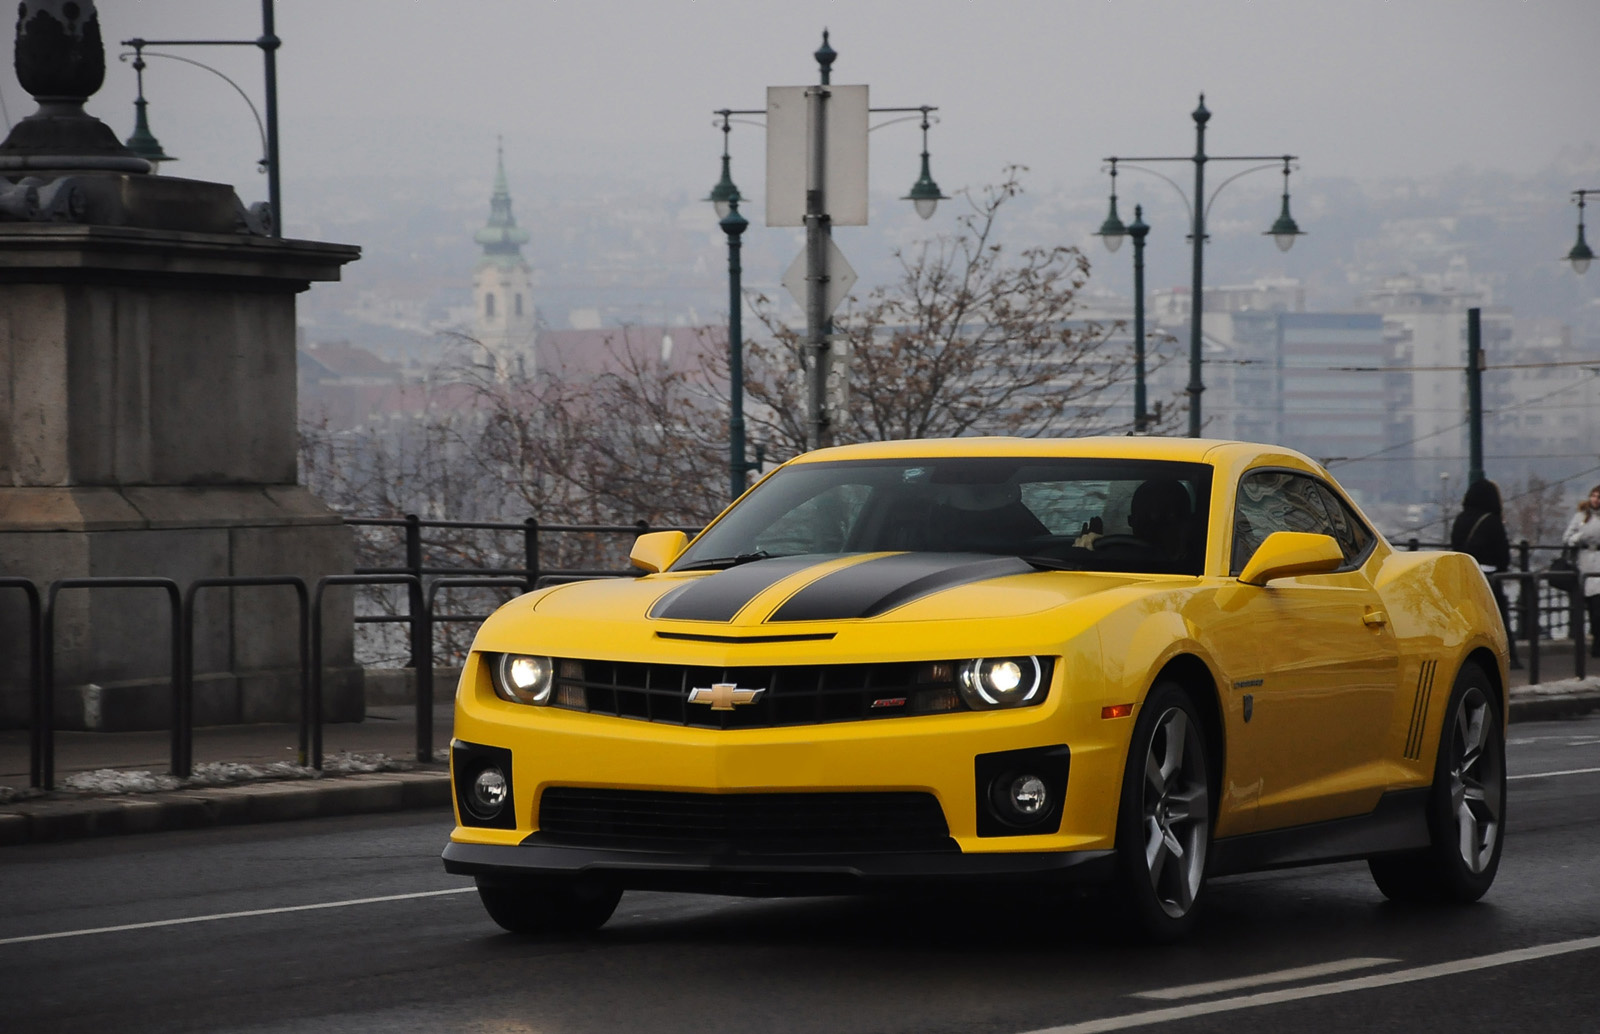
point(967, 340)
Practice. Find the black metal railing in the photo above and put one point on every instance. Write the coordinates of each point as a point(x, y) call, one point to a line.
point(1541, 611)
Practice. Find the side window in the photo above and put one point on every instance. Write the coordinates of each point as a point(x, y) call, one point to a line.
point(1353, 536)
point(1276, 500)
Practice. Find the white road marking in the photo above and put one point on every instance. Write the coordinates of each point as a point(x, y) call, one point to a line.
point(1282, 976)
point(1295, 994)
point(1547, 775)
point(234, 915)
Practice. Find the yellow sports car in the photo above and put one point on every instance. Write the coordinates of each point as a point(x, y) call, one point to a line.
point(1140, 661)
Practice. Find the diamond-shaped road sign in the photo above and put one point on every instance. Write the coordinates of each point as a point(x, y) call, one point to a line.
point(840, 276)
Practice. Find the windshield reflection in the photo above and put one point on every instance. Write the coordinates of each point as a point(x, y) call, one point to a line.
point(1074, 513)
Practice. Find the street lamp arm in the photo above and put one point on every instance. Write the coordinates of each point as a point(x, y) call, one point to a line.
point(191, 43)
point(260, 126)
point(1277, 163)
point(1187, 207)
point(896, 121)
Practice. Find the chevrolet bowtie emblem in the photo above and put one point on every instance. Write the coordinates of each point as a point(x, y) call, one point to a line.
point(722, 696)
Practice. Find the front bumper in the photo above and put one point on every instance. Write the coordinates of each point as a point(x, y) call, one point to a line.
point(711, 872)
point(937, 755)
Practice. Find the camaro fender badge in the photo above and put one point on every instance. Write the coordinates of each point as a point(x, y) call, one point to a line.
point(724, 696)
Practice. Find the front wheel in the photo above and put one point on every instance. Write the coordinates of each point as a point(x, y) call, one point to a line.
point(1466, 806)
point(549, 906)
point(1164, 822)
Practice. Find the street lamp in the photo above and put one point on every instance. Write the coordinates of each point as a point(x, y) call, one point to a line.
point(1112, 231)
point(725, 195)
point(1283, 231)
point(1581, 254)
point(143, 142)
point(819, 270)
point(924, 195)
point(269, 43)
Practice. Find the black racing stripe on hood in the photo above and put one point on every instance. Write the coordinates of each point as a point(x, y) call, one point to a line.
point(718, 597)
point(872, 587)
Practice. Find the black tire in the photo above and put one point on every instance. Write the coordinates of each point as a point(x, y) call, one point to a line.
point(1165, 818)
point(549, 905)
point(1466, 806)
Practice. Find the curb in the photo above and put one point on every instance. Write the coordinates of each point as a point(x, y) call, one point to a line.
point(54, 819)
point(1547, 701)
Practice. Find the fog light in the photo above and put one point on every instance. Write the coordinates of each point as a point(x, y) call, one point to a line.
point(1030, 797)
point(489, 792)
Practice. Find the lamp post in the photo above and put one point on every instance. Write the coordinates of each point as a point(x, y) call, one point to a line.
point(269, 43)
point(1283, 231)
point(1138, 231)
point(733, 224)
point(1581, 254)
point(818, 300)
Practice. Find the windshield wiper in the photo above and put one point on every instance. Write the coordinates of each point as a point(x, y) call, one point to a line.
point(722, 563)
point(1051, 564)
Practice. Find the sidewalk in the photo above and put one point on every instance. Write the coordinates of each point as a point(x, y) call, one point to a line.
point(116, 783)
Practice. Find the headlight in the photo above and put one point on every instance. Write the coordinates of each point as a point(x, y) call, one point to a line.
point(993, 682)
point(523, 679)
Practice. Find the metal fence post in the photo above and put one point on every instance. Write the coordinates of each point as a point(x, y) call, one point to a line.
point(1530, 624)
point(1575, 621)
point(530, 552)
point(35, 674)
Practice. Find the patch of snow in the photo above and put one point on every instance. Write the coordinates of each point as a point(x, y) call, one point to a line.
point(110, 781)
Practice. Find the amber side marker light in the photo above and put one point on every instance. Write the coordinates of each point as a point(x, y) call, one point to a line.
point(1116, 711)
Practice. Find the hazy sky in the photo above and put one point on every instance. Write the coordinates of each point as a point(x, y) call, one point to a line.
point(1355, 87)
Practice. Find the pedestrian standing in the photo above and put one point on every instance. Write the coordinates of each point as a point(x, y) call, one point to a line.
point(1480, 532)
point(1583, 535)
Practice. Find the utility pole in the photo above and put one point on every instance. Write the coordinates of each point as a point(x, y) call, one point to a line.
point(1474, 396)
point(817, 343)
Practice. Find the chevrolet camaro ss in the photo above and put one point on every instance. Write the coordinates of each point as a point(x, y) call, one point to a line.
point(1135, 661)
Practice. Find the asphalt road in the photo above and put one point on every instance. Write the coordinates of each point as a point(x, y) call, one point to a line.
point(351, 925)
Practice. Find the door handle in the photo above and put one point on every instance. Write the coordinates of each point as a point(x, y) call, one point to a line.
point(1374, 618)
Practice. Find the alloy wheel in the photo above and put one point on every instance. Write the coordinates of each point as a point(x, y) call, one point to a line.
point(1177, 812)
point(1477, 785)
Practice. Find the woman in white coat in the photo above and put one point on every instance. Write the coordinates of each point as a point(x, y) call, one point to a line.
point(1583, 533)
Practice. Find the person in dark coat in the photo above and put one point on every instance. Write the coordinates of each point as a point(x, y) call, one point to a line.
point(1480, 532)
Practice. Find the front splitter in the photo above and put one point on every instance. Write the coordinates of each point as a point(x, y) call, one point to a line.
point(715, 872)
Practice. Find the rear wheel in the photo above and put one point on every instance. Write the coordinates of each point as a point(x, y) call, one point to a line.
point(549, 906)
point(1466, 806)
point(1164, 822)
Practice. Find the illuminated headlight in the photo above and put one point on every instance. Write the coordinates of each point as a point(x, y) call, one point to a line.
point(523, 679)
point(993, 682)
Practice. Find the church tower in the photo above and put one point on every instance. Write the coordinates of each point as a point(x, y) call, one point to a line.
point(502, 286)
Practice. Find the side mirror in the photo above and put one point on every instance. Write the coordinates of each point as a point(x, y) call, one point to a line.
point(655, 550)
point(1288, 554)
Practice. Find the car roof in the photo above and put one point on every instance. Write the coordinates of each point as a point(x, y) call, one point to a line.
point(1222, 453)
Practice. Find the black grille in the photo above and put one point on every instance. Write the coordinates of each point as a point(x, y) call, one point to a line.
point(791, 695)
point(774, 823)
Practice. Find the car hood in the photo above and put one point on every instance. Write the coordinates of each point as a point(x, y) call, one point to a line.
point(784, 592)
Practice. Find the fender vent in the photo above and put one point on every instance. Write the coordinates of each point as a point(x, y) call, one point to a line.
point(1419, 709)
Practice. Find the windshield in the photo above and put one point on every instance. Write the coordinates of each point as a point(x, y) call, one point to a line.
point(1072, 513)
